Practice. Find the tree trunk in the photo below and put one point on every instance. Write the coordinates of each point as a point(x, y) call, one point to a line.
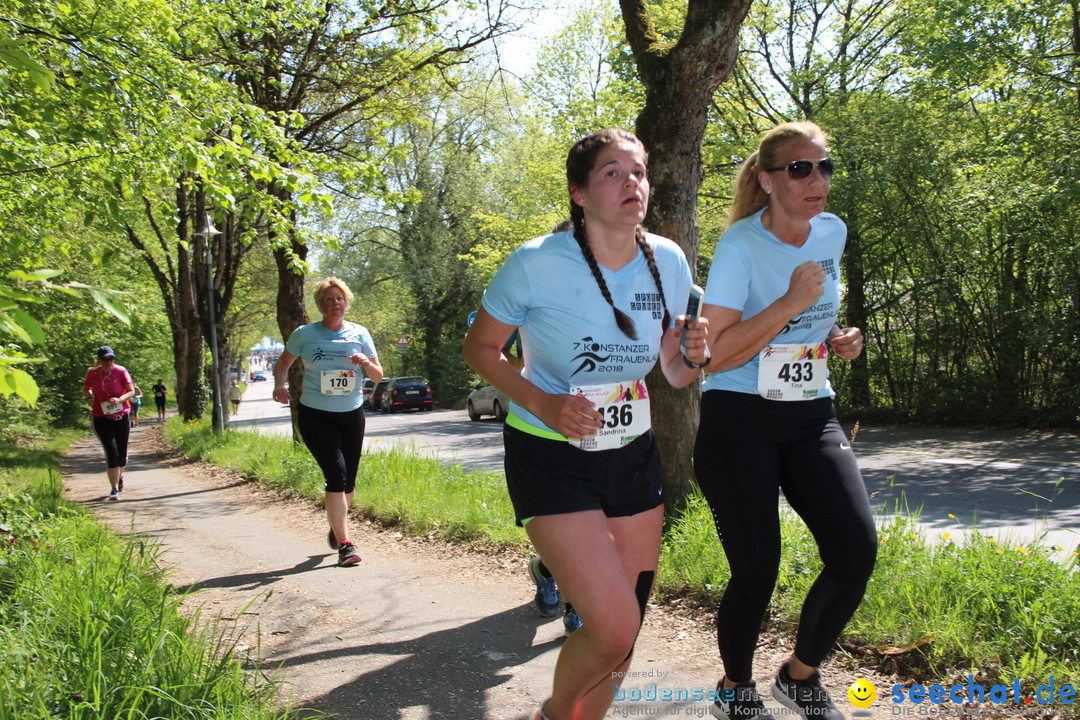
point(672, 129)
point(679, 84)
point(190, 384)
point(291, 306)
point(178, 295)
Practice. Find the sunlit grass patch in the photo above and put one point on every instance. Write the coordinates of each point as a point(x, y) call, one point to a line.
point(90, 629)
point(395, 486)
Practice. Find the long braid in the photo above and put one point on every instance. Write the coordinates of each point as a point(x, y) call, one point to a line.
point(646, 248)
point(577, 216)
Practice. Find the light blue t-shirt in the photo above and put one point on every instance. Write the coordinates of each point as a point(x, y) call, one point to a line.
point(322, 349)
point(568, 332)
point(752, 268)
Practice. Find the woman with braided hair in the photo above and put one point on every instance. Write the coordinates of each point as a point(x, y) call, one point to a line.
point(596, 308)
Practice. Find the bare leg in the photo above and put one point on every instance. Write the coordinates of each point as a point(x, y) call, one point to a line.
point(798, 670)
point(599, 562)
point(114, 476)
point(337, 512)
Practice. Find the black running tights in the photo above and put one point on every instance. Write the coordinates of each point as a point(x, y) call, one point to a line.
point(113, 434)
point(335, 440)
point(747, 450)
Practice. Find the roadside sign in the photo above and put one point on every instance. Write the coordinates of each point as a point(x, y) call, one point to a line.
point(472, 318)
point(403, 343)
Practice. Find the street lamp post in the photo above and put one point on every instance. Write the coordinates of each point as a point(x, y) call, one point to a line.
point(208, 232)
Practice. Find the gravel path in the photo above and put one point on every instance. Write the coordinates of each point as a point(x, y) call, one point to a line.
point(419, 629)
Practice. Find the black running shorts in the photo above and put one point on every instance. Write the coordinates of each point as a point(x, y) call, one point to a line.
point(552, 477)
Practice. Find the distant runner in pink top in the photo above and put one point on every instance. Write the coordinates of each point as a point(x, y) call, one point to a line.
point(108, 389)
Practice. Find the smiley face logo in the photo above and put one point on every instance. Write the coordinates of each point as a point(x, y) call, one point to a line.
point(862, 693)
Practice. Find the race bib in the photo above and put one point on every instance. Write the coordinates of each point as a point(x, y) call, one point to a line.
point(792, 371)
point(337, 382)
point(111, 408)
point(625, 407)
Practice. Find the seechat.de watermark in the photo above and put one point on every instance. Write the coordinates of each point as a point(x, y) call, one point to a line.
point(971, 695)
point(967, 698)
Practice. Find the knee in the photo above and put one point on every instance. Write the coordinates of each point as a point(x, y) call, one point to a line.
point(755, 579)
point(855, 564)
point(614, 635)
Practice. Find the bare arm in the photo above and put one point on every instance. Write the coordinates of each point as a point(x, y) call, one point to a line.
point(846, 342)
point(570, 415)
point(735, 341)
point(129, 392)
point(370, 364)
point(281, 371)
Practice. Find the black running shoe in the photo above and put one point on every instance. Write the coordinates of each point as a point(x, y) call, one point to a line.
point(741, 702)
point(347, 555)
point(806, 697)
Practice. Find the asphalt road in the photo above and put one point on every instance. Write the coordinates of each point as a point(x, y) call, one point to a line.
point(1017, 486)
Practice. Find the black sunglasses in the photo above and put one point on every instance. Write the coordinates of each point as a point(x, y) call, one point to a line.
point(801, 169)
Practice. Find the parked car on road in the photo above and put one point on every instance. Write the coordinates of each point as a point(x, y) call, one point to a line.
point(486, 400)
point(258, 376)
point(407, 392)
point(368, 389)
point(377, 394)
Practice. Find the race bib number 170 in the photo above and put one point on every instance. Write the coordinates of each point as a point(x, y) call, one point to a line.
point(337, 382)
point(625, 407)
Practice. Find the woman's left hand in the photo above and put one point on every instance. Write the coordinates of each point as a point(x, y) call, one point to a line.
point(848, 343)
point(697, 338)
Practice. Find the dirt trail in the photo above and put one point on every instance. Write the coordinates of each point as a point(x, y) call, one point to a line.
point(417, 630)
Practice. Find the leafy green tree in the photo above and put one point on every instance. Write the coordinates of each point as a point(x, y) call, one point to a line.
point(951, 137)
point(334, 75)
point(577, 85)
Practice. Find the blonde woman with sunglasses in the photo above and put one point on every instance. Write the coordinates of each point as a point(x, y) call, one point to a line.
point(768, 422)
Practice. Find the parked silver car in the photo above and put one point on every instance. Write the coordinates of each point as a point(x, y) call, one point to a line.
point(486, 400)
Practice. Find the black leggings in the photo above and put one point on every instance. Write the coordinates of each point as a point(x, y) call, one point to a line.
point(113, 434)
point(748, 448)
point(335, 440)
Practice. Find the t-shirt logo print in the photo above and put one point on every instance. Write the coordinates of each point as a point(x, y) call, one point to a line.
point(588, 357)
point(793, 322)
point(319, 354)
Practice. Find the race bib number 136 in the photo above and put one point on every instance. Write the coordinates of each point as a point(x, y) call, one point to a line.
point(625, 407)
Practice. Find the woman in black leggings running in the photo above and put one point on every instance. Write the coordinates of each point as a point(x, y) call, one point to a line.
point(330, 412)
point(768, 422)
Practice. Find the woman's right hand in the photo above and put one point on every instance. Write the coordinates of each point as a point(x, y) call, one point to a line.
point(806, 284)
point(281, 395)
point(571, 415)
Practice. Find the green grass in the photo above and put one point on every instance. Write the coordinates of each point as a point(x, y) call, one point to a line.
point(934, 609)
point(89, 628)
point(395, 487)
point(998, 609)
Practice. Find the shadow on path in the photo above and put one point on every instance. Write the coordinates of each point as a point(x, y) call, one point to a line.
point(444, 672)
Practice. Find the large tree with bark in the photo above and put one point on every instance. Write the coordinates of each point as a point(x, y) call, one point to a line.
point(680, 76)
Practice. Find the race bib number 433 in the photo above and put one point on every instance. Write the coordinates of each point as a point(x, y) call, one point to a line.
point(792, 371)
point(625, 407)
